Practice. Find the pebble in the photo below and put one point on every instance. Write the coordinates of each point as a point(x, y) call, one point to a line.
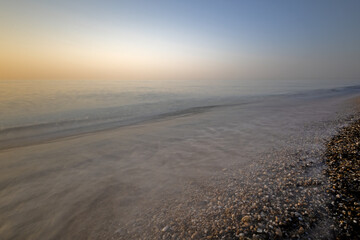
point(165, 229)
point(342, 158)
point(246, 219)
point(278, 232)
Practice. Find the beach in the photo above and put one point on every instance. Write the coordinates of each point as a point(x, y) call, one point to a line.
point(233, 168)
point(172, 120)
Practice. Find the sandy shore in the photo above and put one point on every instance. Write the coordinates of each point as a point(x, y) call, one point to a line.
point(247, 171)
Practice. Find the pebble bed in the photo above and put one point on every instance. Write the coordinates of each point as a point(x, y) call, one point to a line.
point(343, 160)
point(291, 193)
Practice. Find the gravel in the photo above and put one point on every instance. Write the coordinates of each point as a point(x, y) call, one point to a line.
point(297, 192)
point(343, 160)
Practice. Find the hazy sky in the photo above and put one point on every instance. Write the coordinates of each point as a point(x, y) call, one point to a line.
point(133, 39)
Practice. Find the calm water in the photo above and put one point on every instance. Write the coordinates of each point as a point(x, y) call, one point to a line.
point(79, 160)
point(51, 109)
point(24, 103)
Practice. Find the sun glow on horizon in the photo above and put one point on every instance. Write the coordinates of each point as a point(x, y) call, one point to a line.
point(173, 41)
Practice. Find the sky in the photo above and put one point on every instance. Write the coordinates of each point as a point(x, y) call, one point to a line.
point(124, 40)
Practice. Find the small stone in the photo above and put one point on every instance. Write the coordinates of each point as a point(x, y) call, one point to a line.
point(194, 235)
point(278, 232)
point(246, 219)
point(165, 229)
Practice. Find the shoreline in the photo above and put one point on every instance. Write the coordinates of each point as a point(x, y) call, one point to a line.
point(258, 174)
